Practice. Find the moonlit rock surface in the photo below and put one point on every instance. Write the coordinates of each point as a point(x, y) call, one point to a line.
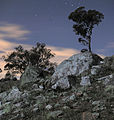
point(14, 94)
point(85, 81)
point(95, 69)
point(62, 83)
point(75, 65)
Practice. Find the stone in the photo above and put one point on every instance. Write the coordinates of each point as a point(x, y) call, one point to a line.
point(63, 83)
point(87, 116)
point(95, 69)
point(72, 97)
point(66, 107)
point(96, 103)
point(2, 112)
point(85, 81)
point(41, 87)
point(107, 79)
point(30, 75)
point(3, 95)
point(35, 109)
point(54, 114)
point(14, 94)
point(48, 107)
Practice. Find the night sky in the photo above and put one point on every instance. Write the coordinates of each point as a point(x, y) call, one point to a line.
point(26, 22)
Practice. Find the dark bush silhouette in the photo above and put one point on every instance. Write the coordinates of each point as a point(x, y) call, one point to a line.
point(38, 56)
point(85, 22)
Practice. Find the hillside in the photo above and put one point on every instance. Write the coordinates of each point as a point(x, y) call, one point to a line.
point(81, 88)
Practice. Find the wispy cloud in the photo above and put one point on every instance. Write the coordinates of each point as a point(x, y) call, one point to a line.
point(110, 45)
point(62, 53)
point(12, 31)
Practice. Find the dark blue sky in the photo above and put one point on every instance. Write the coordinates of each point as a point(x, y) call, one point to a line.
point(47, 21)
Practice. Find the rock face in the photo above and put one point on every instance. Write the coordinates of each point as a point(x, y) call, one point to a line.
point(30, 75)
point(75, 65)
point(85, 81)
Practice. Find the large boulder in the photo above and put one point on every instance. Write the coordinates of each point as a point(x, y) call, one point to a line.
point(30, 75)
point(75, 65)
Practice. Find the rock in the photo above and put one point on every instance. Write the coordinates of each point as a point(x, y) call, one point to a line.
point(41, 87)
point(96, 103)
point(48, 107)
point(75, 65)
point(66, 107)
point(107, 79)
point(2, 112)
point(87, 116)
point(30, 75)
point(95, 69)
point(3, 95)
point(69, 98)
point(54, 114)
point(14, 94)
point(84, 50)
point(85, 81)
point(72, 97)
point(35, 109)
point(62, 83)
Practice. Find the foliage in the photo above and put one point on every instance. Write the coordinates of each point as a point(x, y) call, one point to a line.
point(38, 56)
point(85, 22)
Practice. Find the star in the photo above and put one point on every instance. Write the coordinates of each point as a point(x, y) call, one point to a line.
point(72, 5)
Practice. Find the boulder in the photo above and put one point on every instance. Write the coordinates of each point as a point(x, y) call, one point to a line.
point(30, 75)
point(75, 65)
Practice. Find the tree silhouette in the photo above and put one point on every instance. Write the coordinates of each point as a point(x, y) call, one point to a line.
point(38, 56)
point(85, 22)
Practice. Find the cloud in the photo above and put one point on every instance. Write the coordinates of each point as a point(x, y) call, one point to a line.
point(12, 31)
point(102, 56)
point(107, 48)
point(62, 53)
point(110, 45)
point(6, 48)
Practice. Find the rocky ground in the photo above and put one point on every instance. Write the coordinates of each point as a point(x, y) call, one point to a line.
point(81, 93)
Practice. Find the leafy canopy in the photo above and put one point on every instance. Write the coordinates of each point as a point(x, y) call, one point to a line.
point(38, 56)
point(84, 24)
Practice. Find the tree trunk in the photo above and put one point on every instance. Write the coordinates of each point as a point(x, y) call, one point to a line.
point(89, 46)
point(89, 40)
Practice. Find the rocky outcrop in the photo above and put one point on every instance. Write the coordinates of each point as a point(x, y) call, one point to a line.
point(91, 99)
point(75, 65)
